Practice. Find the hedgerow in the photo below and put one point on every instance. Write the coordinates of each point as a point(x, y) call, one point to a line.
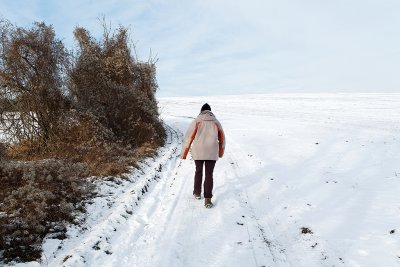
point(66, 115)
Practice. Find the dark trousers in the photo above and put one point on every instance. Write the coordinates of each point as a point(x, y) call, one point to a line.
point(208, 179)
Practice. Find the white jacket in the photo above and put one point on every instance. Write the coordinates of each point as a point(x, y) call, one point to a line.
point(207, 136)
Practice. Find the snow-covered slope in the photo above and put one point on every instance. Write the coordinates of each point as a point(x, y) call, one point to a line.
point(307, 180)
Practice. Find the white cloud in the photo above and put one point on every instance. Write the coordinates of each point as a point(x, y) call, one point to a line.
point(221, 46)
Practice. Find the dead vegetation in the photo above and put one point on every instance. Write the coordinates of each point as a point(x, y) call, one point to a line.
point(38, 198)
point(107, 82)
point(306, 230)
point(32, 67)
point(66, 115)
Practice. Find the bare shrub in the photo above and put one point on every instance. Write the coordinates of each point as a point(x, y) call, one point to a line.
point(107, 81)
point(33, 64)
point(104, 104)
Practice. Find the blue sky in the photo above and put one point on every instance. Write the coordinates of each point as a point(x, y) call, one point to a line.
point(213, 47)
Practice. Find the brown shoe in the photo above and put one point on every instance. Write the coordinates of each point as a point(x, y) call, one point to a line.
point(207, 203)
point(197, 196)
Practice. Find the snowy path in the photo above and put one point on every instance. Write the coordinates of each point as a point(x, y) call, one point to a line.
point(181, 232)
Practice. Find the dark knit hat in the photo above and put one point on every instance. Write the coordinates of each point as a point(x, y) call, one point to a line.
point(205, 107)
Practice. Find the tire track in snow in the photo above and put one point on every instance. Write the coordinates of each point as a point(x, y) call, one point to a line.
point(256, 231)
point(93, 244)
point(145, 246)
point(181, 232)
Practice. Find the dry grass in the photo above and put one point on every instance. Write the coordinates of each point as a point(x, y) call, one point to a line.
point(38, 198)
point(88, 142)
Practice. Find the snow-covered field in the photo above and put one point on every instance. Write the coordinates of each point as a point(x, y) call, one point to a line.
point(327, 165)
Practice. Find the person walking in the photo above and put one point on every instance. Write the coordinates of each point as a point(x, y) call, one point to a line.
point(207, 139)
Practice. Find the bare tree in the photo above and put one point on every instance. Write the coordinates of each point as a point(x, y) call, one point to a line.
point(33, 65)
